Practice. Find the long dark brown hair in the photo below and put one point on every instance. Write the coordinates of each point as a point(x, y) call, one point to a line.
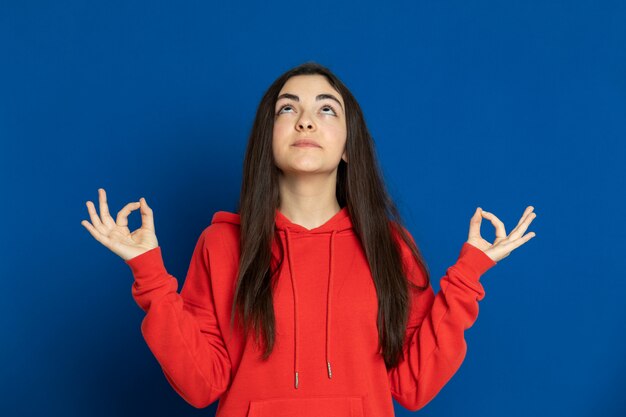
point(360, 187)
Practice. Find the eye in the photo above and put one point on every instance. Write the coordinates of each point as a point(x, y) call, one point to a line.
point(282, 107)
point(330, 107)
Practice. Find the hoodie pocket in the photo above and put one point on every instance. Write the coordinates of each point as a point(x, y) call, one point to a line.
point(307, 407)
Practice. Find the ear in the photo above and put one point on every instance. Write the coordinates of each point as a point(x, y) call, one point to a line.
point(344, 157)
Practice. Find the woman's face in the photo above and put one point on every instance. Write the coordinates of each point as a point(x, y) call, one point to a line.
point(308, 107)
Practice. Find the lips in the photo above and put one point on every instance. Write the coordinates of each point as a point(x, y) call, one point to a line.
point(306, 142)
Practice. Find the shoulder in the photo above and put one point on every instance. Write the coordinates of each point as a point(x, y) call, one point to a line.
point(220, 238)
point(414, 266)
point(396, 232)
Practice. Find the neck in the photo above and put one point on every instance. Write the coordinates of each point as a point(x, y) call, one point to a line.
point(309, 200)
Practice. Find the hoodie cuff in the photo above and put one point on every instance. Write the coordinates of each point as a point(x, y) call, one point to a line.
point(147, 265)
point(473, 262)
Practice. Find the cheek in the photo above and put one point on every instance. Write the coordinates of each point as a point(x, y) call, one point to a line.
point(279, 139)
point(339, 135)
point(336, 127)
point(280, 130)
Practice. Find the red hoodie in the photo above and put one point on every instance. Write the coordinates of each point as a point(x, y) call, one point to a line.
point(325, 360)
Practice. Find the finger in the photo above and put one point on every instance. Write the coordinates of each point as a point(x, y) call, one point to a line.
point(122, 215)
point(528, 210)
point(521, 228)
point(475, 221)
point(95, 219)
point(104, 208)
point(147, 217)
point(511, 245)
point(96, 234)
point(500, 230)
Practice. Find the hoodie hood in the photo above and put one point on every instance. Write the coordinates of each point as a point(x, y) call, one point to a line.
point(337, 224)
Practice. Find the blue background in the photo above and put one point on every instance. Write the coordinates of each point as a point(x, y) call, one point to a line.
point(486, 103)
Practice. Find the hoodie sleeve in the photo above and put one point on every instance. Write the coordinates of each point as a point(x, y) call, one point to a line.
point(435, 345)
point(182, 330)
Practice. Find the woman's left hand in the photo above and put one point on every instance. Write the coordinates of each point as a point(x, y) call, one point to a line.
point(503, 245)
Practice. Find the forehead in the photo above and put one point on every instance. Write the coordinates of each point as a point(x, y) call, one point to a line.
point(309, 86)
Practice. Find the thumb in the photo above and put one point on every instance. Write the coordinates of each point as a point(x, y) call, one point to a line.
point(147, 217)
point(474, 229)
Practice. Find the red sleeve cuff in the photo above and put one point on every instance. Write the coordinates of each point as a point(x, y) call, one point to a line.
point(473, 262)
point(147, 265)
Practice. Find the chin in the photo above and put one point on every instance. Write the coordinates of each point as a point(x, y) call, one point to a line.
point(309, 169)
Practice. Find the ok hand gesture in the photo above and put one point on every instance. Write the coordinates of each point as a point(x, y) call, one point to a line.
point(115, 235)
point(503, 245)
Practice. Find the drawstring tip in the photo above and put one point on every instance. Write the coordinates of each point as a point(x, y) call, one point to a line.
point(296, 379)
point(330, 372)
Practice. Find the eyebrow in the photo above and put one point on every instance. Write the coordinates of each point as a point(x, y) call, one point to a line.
point(318, 98)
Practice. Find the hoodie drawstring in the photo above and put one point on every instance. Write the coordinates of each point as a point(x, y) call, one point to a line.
point(295, 308)
point(328, 309)
point(295, 304)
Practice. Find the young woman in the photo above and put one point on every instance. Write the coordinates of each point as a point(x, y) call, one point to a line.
point(318, 263)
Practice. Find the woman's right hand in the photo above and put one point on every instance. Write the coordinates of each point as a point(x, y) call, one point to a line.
point(115, 235)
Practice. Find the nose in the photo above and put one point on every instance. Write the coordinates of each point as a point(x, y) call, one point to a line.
point(305, 123)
